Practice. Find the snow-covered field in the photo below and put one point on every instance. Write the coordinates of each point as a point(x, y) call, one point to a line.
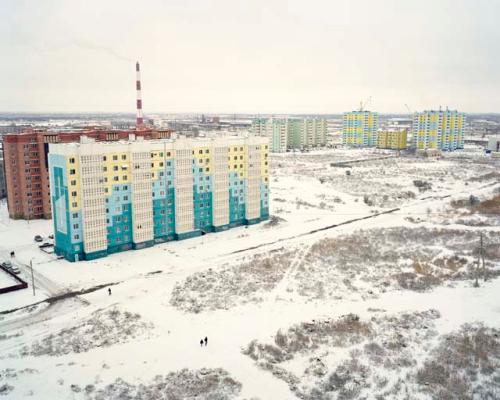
point(360, 286)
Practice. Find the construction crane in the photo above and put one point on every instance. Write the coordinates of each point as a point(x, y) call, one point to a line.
point(363, 105)
point(409, 110)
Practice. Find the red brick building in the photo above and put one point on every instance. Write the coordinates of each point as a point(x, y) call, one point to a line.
point(26, 168)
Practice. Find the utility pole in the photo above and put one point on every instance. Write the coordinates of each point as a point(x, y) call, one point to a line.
point(32, 277)
point(476, 270)
point(481, 252)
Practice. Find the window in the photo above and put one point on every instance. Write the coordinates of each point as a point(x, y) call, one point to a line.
point(125, 177)
point(75, 226)
point(72, 172)
point(73, 183)
point(75, 215)
point(115, 158)
point(115, 168)
point(104, 169)
point(124, 156)
point(104, 158)
point(73, 194)
point(115, 178)
point(74, 204)
point(168, 153)
point(71, 160)
point(76, 237)
point(125, 198)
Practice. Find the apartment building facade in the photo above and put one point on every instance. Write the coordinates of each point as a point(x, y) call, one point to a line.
point(438, 129)
point(291, 133)
point(394, 140)
point(115, 196)
point(359, 129)
point(26, 165)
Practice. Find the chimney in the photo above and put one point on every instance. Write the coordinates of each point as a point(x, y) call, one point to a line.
point(139, 119)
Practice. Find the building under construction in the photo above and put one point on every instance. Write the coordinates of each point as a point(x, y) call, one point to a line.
point(394, 140)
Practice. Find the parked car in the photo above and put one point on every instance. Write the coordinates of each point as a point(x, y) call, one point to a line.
point(38, 238)
point(15, 269)
point(7, 265)
point(51, 236)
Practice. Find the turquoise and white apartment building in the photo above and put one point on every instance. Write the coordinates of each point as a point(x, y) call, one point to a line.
point(114, 196)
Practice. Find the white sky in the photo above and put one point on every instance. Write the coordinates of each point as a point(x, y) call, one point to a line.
point(267, 56)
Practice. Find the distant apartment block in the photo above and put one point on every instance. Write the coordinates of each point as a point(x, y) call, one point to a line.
point(115, 196)
point(441, 130)
point(26, 165)
point(291, 133)
point(395, 140)
point(359, 129)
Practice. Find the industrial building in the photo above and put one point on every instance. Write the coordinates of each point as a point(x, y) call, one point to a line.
point(359, 128)
point(394, 140)
point(493, 144)
point(115, 196)
point(291, 133)
point(440, 130)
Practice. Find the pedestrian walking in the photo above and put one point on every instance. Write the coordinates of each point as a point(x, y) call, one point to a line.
point(206, 341)
point(201, 342)
point(109, 291)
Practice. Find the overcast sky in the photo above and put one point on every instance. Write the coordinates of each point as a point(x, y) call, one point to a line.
point(267, 56)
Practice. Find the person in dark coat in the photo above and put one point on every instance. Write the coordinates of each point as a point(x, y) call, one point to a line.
point(109, 291)
point(201, 342)
point(206, 341)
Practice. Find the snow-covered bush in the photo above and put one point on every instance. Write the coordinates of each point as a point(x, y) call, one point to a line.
point(103, 328)
point(203, 384)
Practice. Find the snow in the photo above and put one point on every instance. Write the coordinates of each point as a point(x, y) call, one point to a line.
point(6, 279)
point(168, 339)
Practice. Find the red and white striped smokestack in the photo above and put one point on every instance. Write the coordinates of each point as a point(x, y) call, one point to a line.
point(139, 120)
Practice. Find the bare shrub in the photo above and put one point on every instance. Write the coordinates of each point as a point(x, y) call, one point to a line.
point(203, 384)
point(103, 328)
point(5, 389)
point(422, 185)
point(230, 286)
point(465, 362)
